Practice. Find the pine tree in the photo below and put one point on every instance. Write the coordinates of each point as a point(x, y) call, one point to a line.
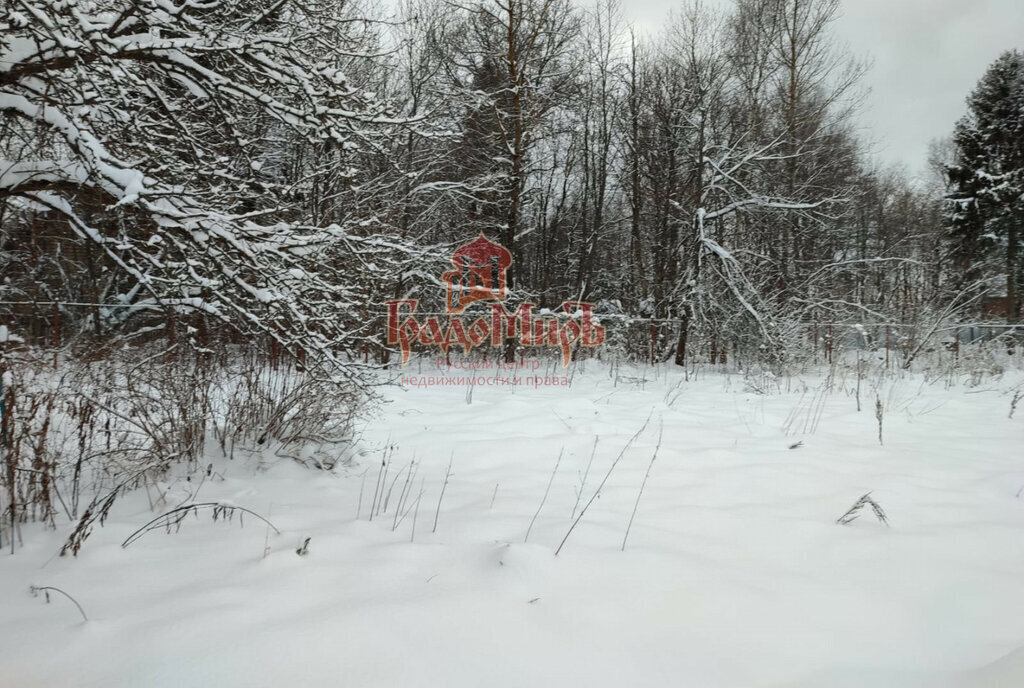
point(986, 204)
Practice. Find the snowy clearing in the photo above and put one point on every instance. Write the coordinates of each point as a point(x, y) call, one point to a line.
point(735, 572)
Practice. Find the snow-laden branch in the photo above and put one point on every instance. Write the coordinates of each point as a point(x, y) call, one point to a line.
point(178, 118)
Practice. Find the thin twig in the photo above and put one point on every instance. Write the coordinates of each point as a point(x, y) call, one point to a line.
point(447, 474)
point(854, 511)
point(377, 487)
point(176, 516)
point(546, 491)
point(603, 481)
point(46, 589)
point(643, 484)
point(416, 512)
point(583, 481)
point(362, 486)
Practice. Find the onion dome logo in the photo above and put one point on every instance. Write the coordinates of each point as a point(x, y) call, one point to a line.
point(478, 274)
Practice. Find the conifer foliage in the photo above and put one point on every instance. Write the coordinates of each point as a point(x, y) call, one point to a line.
point(987, 197)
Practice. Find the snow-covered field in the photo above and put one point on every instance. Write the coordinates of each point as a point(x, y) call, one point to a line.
point(735, 572)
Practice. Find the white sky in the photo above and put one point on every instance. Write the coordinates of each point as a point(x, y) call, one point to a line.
point(928, 55)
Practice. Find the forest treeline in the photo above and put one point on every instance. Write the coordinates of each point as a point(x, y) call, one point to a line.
point(189, 169)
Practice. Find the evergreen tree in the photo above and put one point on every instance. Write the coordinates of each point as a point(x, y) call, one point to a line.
point(986, 203)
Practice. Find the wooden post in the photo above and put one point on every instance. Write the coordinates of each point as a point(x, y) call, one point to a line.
point(652, 342)
point(829, 344)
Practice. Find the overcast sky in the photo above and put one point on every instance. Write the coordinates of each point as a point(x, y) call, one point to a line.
point(928, 55)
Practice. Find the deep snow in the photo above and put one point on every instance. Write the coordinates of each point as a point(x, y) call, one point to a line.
point(735, 572)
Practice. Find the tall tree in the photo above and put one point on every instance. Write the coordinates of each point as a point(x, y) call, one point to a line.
point(986, 204)
point(510, 63)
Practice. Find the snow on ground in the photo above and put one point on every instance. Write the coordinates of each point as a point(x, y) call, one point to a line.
point(735, 572)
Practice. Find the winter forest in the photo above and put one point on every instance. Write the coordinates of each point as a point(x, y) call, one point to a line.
point(762, 429)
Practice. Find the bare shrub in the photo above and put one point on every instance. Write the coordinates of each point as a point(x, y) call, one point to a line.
point(77, 437)
point(287, 406)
